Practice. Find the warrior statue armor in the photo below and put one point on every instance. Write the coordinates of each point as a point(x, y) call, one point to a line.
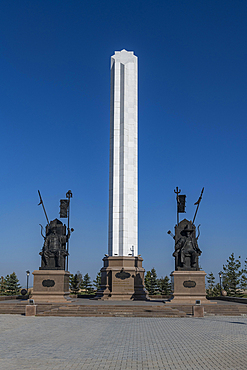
point(56, 242)
point(186, 248)
point(54, 250)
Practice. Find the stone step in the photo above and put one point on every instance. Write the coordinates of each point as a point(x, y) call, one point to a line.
point(111, 308)
point(109, 315)
point(113, 311)
point(217, 309)
point(20, 308)
point(12, 309)
point(49, 309)
point(121, 308)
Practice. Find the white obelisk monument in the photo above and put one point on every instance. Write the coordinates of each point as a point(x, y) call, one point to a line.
point(123, 181)
point(122, 275)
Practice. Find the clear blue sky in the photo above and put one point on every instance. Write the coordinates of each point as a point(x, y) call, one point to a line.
point(54, 114)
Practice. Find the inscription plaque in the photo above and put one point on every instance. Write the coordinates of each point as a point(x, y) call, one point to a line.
point(189, 284)
point(48, 283)
point(122, 275)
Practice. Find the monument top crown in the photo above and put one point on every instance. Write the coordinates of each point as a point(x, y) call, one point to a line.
point(124, 56)
point(124, 51)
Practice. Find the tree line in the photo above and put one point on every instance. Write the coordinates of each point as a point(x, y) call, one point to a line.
point(233, 279)
point(83, 284)
point(156, 286)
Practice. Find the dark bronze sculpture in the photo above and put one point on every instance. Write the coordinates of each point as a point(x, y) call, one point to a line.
point(186, 248)
point(54, 251)
point(186, 251)
point(56, 242)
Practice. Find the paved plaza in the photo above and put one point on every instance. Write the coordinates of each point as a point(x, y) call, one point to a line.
point(50, 343)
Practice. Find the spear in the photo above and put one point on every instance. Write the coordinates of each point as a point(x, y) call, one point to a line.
point(68, 195)
point(198, 203)
point(41, 202)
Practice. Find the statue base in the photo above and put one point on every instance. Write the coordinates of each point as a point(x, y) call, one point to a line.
point(51, 286)
point(188, 287)
point(122, 278)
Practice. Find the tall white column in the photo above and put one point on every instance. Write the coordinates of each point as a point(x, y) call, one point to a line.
point(123, 184)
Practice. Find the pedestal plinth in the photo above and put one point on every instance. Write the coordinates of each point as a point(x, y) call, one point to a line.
point(50, 286)
point(189, 286)
point(122, 278)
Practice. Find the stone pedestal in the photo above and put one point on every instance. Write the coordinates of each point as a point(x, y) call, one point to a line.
point(31, 310)
point(122, 278)
point(188, 287)
point(198, 311)
point(50, 286)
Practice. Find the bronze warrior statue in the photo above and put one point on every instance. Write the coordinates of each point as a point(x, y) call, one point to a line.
point(56, 242)
point(186, 251)
point(186, 247)
point(54, 250)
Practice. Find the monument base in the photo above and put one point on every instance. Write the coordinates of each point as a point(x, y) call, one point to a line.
point(188, 287)
point(122, 278)
point(51, 286)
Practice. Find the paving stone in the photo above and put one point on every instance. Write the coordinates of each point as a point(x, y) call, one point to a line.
point(50, 343)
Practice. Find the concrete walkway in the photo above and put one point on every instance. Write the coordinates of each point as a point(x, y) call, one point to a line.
point(49, 343)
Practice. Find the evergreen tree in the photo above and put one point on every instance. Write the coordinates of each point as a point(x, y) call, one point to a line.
point(70, 279)
point(154, 281)
point(2, 286)
point(147, 281)
point(212, 290)
point(232, 274)
point(151, 281)
point(216, 292)
point(164, 285)
point(243, 279)
point(74, 284)
point(86, 284)
point(211, 284)
point(79, 277)
point(12, 284)
point(97, 281)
